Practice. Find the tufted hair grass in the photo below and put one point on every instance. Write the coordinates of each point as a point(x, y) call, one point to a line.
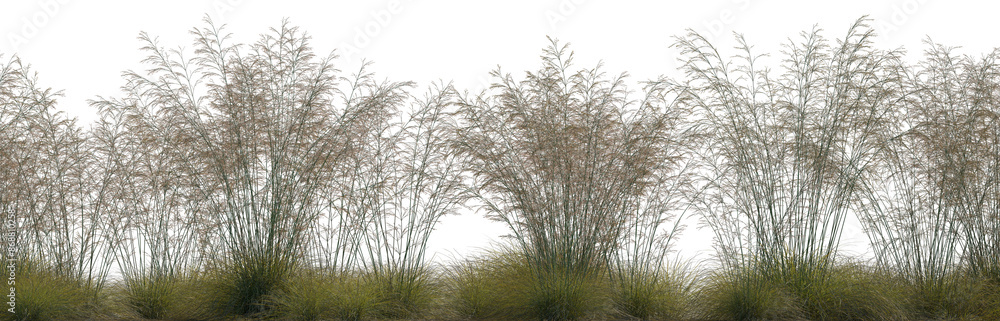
point(319, 295)
point(503, 286)
point(665, 293)
point(43, 294)
point(846, 292)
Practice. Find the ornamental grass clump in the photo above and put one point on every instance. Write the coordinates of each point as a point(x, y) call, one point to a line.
point(932, 217)
point(566, 159)
point(787, 158)
point(55, 191)
point(248, 136)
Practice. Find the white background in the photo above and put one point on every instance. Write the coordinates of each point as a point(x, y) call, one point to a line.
point(81, 47)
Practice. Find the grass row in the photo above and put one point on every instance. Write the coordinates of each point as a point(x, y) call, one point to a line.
point(501, 285)
point(586, 178)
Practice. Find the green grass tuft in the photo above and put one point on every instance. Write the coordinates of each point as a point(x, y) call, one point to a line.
point(407, 294)
point(564, 295)
point(955, 296)
point(151, 297)
point(850, 292)
point(483, 288)
point(317, 295)
point(504, 286)
point(182, 297)
point(44, 295)
point(241, 286)
point(746, 294)
point(843, 292)
point(474, 287)
point(651, 295)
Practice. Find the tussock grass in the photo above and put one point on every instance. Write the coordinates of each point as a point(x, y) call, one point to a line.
point(240, 286)
point(662, 294)
point(182, 297)
point(246, 138)
point(43, 294)
point(55, 189)
point(853, 292)
point(151, 297)
point(504, 286)
point(989, 303)
point(475, 288)
point(844, 292)
point(563, 295)
point(406, 294)
point(321, 295)
point(745, 294)
point(958, 295)
point(316, 295)
point(790, 153)
point(568, 161)
point(932, 215)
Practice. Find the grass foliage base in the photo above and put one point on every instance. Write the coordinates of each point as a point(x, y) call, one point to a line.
point(151, 297)
point(320, 295)
point(503, 286)
point(183, 297)
point(406, 294)
point(650, 295)
point(242, 286)
point(327, 296)
point(954, 297)
point(562, 295)
point(847, 292)
point(44, 295)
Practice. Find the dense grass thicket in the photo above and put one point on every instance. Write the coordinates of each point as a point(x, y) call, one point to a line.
point(258, 181)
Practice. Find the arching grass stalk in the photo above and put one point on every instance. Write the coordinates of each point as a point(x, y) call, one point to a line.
point(931, 221)
point(56, 188)
point(398, 185)
point(644, 284)
point(256, 132)
point(566, 159)
point(156, 222)
point(789, 152)
point(56, 193)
